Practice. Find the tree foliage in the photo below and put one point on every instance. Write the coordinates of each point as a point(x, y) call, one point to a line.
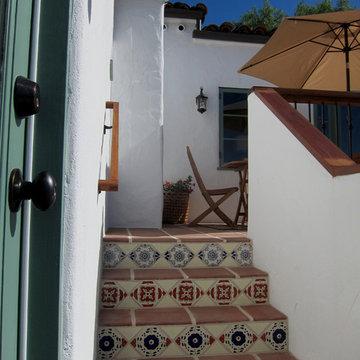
point(324, 6)
point(271, 17)
point(267, 16)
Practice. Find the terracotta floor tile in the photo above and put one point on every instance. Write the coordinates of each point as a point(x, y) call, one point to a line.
point(149, 239)
point(157, 274)
point(114, 318)
point(172, 358)
point(229, 234)
point(150, 235)
point(248, 271)
point(206, 234)
point(216, 314)
point(204, 273)
point(206, 227)
point(216, 227)
point(196, 237)
point(162, 316)
point(228, 357)
point(224, 230)
point(276, 356)
point(178, 229)
point(264, 312)
point(116, 231)
point(145, 231)
point(189, 234)
point(116, 274)
point(116, 235)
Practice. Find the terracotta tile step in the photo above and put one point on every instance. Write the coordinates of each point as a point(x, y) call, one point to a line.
point(177, 332)
point(196, 273)
point(155, 288)
point(174, 234)
point(190, 315)
point(176, 255)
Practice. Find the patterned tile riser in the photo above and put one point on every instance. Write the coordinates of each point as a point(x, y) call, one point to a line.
point(192, 340)
point(170, 255)
point(173, 293)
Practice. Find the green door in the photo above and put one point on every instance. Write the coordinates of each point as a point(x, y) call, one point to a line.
point(16, 33)
point(35, 334)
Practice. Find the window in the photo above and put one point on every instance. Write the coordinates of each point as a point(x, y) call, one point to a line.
point(333, 121)
point(233, 130)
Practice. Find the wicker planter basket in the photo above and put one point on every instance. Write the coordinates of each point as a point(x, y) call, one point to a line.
point(176, 208)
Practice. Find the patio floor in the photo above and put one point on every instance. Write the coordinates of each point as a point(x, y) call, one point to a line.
point(178, 233)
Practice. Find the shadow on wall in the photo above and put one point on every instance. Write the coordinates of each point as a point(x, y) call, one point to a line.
point(89, 10)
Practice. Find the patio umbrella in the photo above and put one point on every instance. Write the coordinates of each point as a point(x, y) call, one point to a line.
point(319, 52)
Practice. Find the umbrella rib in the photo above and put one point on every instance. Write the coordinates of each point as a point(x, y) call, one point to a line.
point(327, 45)
point(355, 37)
point(318, 62)
point(323, 21)
point(313, 69)
point(337, 37)
point(334, 37)
point(290, 48)
point(333, 30)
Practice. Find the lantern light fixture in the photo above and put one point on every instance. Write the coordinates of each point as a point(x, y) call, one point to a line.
point(201, 102)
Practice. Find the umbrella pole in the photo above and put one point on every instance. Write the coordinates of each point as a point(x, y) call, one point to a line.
point(347, 50)
point(347, 72)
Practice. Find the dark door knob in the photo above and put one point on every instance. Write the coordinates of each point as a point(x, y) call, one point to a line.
point(42, 191)
point(26, 97)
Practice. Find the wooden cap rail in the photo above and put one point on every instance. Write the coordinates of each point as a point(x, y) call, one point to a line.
point(112, 183)
point(323, 149)
point(319, 96)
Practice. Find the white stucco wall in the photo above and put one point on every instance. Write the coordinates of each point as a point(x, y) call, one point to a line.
point(138, 86)
point(305, 228)
point(191, 64)
point(89, 88)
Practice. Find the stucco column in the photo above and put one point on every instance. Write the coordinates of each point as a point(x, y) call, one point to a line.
point(138, 87)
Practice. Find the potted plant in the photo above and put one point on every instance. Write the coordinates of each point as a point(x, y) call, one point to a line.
point(176, 201)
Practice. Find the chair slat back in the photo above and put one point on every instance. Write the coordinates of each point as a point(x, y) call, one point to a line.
point(196, 171)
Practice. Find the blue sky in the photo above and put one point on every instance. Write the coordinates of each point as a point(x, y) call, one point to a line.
point(229, 10)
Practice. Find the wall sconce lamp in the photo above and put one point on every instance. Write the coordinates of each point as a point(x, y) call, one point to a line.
point(201, 101)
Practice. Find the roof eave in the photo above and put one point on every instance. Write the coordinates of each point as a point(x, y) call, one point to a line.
point(183, 13)
point(226, 36)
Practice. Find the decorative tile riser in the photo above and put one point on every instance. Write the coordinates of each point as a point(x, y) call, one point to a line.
point(117, 294)
point(192, 340)
point(170, 255)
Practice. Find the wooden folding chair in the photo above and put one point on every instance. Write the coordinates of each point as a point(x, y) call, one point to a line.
point(207, 194)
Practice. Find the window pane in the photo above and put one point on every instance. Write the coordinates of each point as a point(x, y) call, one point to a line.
point(235, 149)
point(343, 129)
point(235, 103)
point(334, 124)
point(233, 125)
point(355, 112)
